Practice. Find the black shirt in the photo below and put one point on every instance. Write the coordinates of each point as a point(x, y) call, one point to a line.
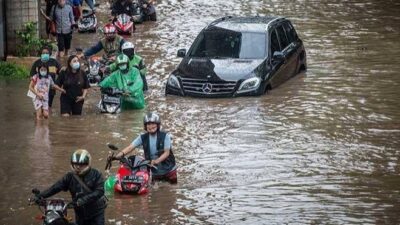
point(73, 83)
point(118, 9)
point(53, 64)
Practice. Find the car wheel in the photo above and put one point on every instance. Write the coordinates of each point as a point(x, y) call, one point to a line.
point(261, 89)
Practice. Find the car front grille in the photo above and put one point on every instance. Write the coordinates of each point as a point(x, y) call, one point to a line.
point(205, 87)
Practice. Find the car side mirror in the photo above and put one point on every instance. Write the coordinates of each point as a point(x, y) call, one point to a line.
point(278, 56)
point(181, 52)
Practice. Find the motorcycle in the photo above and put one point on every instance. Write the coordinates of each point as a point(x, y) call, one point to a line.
point(138, 16)
point(88, 22)
point(93, 70)
point(124, 24)
point(111, 99)
point(133, 176)
point(54, 211)
point(148, 11)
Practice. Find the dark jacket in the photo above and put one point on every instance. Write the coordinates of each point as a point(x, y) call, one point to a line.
point(94, 202)
point(118, 9)
point(169, 163)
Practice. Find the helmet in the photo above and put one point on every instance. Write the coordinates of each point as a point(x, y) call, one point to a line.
point(110, 31)
point(127, 45)
point(109, 28)
point(152, 117)
point(128, 48)
point(122, 58)
point(79, 158)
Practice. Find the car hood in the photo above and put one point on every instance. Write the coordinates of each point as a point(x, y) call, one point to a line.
point(217, 69)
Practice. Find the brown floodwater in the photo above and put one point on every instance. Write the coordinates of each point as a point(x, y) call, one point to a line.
point(323, 148)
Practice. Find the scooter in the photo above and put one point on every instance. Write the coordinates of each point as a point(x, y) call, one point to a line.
point(93, 70)
point(88, 23)
point(124, 24)
point(133, 176)
point(53, 211)
point(138, 15)
point(111, 99)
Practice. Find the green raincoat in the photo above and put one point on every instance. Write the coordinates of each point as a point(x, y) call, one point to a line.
point(135, 100)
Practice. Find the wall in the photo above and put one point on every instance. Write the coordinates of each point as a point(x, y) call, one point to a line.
point(2, 31)
point(19, 12)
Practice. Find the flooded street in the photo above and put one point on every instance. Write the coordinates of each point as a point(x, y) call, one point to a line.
point(323, 148)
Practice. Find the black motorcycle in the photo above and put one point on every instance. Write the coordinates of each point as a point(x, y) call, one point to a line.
point(53, 211)
point(111, 99)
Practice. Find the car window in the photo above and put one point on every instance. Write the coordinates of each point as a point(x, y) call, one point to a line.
point(274, 42)
point(222, 43)
point(283, 40)
point(290, 32)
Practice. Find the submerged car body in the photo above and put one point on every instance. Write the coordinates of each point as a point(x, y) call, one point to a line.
point(238, 56)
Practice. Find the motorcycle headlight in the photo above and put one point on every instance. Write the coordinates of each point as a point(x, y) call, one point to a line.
point(173, 82)
point(111, 108)
point(250, 84)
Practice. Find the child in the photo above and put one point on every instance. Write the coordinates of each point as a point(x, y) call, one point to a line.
point(40, 85)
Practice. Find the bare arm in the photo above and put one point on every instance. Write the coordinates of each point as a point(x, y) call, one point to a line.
point(55, 86)
point(44, 15)
point(161, 158)
point(32, 87)
point(125, 151)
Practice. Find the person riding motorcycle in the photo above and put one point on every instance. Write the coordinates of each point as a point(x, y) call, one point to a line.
point(122, 7)
point(135, 60)
point(157, 148)
point(127, 79)
point(148, 10)
point(86, 186)
point(111, 42)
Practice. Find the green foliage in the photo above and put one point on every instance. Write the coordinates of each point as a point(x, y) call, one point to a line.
point(12, 71)
point(29, 44)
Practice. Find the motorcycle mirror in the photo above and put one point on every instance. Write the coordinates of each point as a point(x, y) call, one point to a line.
point(35, 191)
point(112, 147)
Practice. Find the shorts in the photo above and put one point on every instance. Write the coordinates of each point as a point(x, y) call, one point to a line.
point(69, 106)
point(64, 41)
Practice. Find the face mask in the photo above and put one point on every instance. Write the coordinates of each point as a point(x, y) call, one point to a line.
point(43, 74)
point(75, 65)
point(123, 67)
point(45, 57)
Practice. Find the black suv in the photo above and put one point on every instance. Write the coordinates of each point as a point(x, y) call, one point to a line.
point(236, 56)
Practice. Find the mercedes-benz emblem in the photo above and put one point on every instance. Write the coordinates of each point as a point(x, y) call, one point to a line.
point(207, 88)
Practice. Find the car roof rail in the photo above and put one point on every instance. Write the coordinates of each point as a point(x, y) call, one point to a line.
point(220, 19)
point(277, 19)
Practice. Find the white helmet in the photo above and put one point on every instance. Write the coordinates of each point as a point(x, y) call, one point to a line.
point(127, 45)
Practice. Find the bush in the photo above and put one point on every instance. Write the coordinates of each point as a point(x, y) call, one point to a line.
point(29, 44)
point(12, 71)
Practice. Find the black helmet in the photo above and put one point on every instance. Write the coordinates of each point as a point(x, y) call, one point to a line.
point(80, 157)
point(152, 117)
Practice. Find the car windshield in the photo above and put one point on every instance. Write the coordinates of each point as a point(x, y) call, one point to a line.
point(222, 43)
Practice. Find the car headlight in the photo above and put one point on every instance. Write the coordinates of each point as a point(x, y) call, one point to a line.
point(249, 85)
point(173, 82)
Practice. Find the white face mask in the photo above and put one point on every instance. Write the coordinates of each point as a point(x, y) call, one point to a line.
point(75, 65)
point(123, 67)
point(43, 73)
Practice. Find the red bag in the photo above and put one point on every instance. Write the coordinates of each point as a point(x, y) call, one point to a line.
point(53, 27)
point(76, 12)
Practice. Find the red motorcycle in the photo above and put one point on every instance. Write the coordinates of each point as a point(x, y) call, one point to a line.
point(133, 175)
point(124, 24)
